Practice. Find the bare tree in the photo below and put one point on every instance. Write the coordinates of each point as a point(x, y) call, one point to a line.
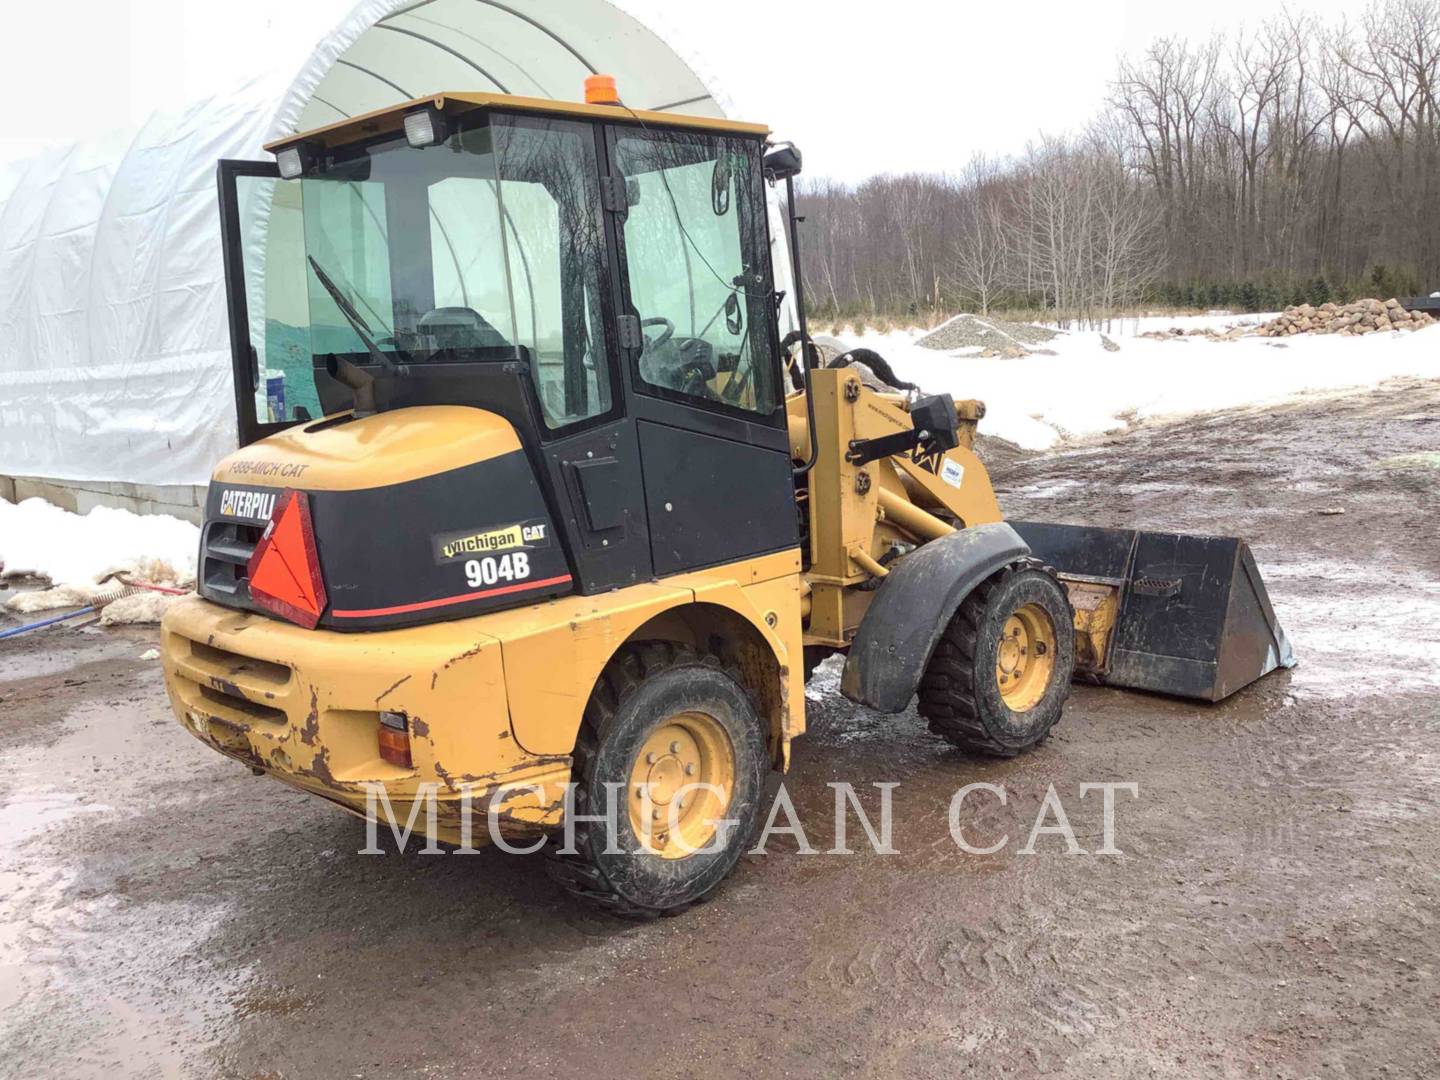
point(1292, 159)
point(979, 251)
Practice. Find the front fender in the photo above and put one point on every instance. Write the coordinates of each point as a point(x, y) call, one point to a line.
point(913, 606)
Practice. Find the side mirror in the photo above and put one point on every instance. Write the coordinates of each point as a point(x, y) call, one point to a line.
point(783, 161)
point(734, 320)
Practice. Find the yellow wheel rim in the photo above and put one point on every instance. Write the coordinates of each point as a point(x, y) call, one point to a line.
point(1025, 661)
point(681, 785)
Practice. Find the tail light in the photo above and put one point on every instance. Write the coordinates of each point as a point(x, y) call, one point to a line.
point(394, 736)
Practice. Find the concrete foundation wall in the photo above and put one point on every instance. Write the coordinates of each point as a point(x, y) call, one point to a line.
point(185, 501)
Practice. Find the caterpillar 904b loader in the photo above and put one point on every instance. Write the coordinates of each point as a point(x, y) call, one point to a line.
point(533, 516)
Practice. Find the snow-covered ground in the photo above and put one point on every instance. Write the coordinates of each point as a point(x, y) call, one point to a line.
point(76, 549)
point(1036, 401)
point(1220, 320)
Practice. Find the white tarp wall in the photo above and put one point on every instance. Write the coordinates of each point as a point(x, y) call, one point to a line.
point(114, 349)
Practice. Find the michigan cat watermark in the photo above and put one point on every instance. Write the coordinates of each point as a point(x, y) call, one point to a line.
point(974, 824)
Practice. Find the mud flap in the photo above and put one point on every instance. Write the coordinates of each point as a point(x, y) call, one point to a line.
point(1193, 617)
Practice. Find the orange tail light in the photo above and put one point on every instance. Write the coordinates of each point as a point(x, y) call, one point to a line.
point(394, 737)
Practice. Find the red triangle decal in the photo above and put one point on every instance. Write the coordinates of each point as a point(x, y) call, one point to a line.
point(285, 569)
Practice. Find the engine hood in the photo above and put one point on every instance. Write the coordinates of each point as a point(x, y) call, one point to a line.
point(418, 515)
point(342, 453)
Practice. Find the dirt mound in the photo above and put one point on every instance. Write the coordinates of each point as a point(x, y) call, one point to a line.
point(1347, 320)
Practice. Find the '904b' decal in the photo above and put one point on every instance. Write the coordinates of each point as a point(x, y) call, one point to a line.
point(493, 569)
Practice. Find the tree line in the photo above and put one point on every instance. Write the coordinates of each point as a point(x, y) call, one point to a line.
point(1295, 161)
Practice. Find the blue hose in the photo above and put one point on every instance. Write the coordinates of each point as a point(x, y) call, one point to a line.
point(44, 622)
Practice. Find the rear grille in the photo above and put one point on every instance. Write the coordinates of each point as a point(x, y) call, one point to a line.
point(252, 710)
point(222, 662)
point(224, 559)
point(242, 691)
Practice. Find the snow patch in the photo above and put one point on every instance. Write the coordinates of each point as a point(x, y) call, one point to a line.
point(77, 550)
point(1037, 401)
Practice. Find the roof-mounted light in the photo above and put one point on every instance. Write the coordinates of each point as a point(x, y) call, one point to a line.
point(295, 160)
point(600, 90)
point(425, 127)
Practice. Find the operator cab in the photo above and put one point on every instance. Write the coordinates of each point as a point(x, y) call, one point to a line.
point(599, 278)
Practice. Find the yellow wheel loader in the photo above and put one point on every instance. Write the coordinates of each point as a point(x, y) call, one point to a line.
point(536, 528)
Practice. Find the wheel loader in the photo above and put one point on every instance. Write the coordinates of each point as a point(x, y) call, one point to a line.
point(534, 519)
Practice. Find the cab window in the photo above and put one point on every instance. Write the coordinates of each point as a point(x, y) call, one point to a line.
point(489, 243)
point(695, 247)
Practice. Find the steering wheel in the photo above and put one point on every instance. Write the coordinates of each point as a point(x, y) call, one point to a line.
point(651, 344)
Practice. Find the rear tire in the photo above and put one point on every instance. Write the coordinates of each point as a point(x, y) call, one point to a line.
point(661, 717)
point(1000, 674)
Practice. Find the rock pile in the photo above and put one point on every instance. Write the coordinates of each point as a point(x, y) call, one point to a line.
point(1346, 320)
point(1234, 333)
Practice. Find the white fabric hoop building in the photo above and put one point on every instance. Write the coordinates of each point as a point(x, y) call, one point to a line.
point(114, 352)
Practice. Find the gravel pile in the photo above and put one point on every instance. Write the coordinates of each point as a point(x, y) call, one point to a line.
point(973, 332)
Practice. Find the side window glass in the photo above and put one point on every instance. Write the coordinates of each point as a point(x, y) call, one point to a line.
point(276, 298)
point(695, 248)
point(466, 256)
point(345, 229)
point(554, 252)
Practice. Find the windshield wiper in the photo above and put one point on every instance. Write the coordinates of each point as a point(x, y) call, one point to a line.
point(359, 325)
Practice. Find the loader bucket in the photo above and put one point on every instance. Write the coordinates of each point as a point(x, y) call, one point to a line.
point(1176, 614)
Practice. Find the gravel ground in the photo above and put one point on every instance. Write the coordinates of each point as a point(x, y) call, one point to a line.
point(1275, 910)
point(971, 331)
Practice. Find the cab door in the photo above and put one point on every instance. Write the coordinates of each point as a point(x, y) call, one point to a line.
point(248, 208)
point(699, 344)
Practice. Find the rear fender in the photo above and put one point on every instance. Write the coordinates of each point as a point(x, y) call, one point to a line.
point(913, 606)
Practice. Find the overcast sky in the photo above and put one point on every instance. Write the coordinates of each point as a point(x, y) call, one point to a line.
point(862, 86)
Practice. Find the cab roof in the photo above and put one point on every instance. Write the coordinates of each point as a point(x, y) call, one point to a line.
point(392, 118)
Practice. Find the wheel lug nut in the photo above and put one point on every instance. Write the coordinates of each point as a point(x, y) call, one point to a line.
point(674, 748)
point(690, 769)
point(650, 758)
point(657, 815)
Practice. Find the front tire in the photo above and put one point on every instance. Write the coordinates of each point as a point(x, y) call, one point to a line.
point(662, 720)
point(1000, 674)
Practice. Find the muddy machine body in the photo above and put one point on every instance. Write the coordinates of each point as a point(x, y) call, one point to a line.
point(534, 518)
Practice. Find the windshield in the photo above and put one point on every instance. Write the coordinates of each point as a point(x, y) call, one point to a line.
point(489, 242)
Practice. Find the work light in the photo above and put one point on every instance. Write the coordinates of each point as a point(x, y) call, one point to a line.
point(294, 160)
point(425, 127)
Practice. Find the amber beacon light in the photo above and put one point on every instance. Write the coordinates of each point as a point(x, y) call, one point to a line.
point(600, 90)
